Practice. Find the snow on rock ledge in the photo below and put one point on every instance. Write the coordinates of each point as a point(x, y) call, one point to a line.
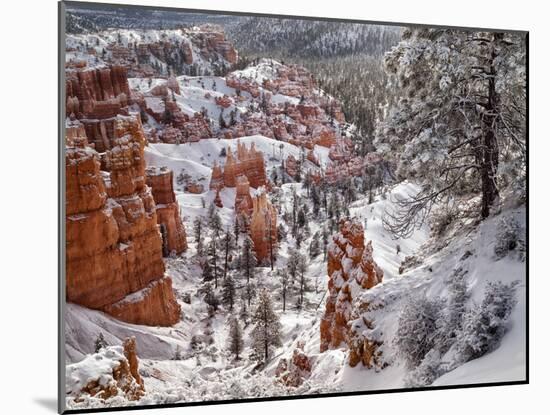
point(351, 270)
point(112, 372)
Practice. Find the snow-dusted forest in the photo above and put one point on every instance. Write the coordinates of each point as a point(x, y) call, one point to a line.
point(264, 207)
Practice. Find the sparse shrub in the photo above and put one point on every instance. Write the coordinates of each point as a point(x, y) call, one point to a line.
point(417, 329)
point(451, 325)
point(99, 343)
point(427, 372)
point(509, 238)
point(177, 353)
point(485, 325)
point(441, 221)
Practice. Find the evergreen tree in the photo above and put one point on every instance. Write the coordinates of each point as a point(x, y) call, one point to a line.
point(210, 297)
point(283, 277)
point(236, 230)
point(177, 353)
point(302, 283)
point(228, 292)
point(243, 313)
point(325, 243)
point(314, 247)
point(236, 342)
point(206, 271)
point(417, 329)
point(485, 325)
point(227, 249)
point(301, 220)
point(99, 343)
point(451, 326)
point(266, 333)
point(462, 109)
point(248, 262)
point(197, 230)
point(316, 200)
point(213, 259)
point(221, 121)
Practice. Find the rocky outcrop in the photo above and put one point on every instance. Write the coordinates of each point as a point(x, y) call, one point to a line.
point(113, 371)
point(351, 270)
point(291, 166)
point(218, 200)
point(216, 179)
point(156, 299)
point(193, 187)
point(293, 372)
point(248, 162)
point(97, 93)
point(173, 234)
point(263, 227)
point(210, 39)
point(243, 200)
point(113, 243)
point(223, 101)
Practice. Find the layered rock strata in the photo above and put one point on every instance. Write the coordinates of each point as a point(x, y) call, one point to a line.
point(351, 270)
point(174, 239)
point(113, 243)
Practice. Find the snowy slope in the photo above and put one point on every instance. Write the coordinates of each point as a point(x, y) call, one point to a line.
point(214, 375)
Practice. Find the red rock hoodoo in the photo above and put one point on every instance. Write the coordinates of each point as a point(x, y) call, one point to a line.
point(351, 269)
point(243, 200)
point(293, 372)
point(168, 212)
point(218, 200)
point(216, 179)
point(248, 162)
point(263, 227)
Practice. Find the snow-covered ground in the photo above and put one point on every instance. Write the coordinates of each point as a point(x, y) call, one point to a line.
point(174, 370)
point(213, 374)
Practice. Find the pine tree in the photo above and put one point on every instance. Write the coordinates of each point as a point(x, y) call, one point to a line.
point(248, 262)
point(463, 95)
point(206, 271)
point(99, 343)
point(236, 230)
point(316, 200)
point(213, 259)
point(283, 277)
point(228, 292)
point(227, 249)
point(221, 121)
point(314, 248)
point(197, 230)
point(210, 297)
point(302, 283)
point(266, 333)
point(236, 342)
point(243, 313)
point(292, 264)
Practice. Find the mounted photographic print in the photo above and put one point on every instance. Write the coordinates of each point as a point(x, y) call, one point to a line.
point(259, 207)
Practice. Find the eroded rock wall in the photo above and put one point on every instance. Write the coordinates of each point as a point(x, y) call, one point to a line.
point(351, 270)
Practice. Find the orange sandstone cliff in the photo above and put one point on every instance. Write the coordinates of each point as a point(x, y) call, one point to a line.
point(114, 247)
